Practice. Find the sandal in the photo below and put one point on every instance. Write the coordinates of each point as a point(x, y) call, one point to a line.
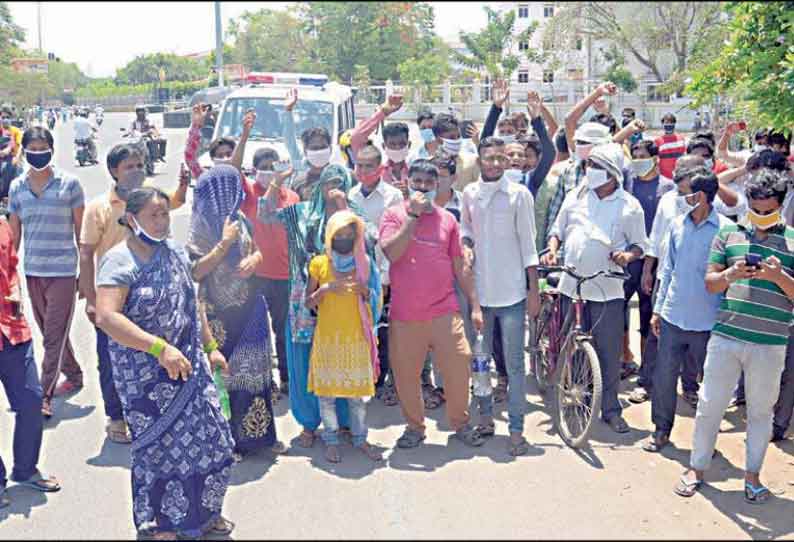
point(639, 395)
point(500, 391)
point(687, 488)
point(222, 527)
point(755, 495)
point(165, 535)
point(117, 432)
point(470, 436)
point(389, 396)
point(306, 439)
point(279, 448)
point(486, 429)
point(410, 439)
point(46, 408)
point(371, 452)
point(4, 500)
point(431, 398)
point(519, 448)
point(332, 454)
point(628, 369)
point(40, 483)
point(657, 442)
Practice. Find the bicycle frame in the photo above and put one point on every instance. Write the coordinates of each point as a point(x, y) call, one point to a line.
point(562, 332)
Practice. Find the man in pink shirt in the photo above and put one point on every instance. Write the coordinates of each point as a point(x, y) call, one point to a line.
point(422, 243)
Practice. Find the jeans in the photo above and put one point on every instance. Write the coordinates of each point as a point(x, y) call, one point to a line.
point(632, 286)
point(513, 324)
point(110, 397)
point(358, 423)
point(607, 317)
point(21, 382)
point(276, 294)
point(675, 346)
point(725, 359)
point(785, 402)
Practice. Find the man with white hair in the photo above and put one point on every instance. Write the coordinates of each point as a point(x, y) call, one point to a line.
point(602, 228)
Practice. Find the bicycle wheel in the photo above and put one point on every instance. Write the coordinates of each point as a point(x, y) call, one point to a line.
point(578, 393)
point(539, 350)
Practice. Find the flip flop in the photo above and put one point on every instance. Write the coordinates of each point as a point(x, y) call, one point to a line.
point(40, 483)
point(332, 454)
point(687, 488)
point(519, 448)
point(306, 439)
point(221, 527)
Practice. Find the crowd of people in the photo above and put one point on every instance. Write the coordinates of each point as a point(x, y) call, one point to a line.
point(375, 278)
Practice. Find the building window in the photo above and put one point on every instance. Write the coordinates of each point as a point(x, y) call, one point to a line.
point(548, 76)
point(523, 76)
point(548, 10)
point(523, 11)
point(578, 43)
point(575, 74)
point(523, 45)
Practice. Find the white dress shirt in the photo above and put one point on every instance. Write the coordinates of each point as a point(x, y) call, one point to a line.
point(500, 218)
point(373, 205)
point(82, 128)
point(590, 228)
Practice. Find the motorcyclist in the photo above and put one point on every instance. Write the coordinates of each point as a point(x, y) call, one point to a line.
point(84, 131)
point(156, 143)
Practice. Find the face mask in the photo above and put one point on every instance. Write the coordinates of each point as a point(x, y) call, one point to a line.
point(683, 206)
point(427, 135)
point(452, 146)
point(6, 123)
point(514, 175)
point(642, 167)
point(38, 160)
point(343, 246)
point(508, 138)
point(264, 178)
point(763, 222)
point(635, 138)
point(596, 178)
point(134, 180)
point(430, 194)
point(319, 158)
point(709, 163)
point(221, 161)
point(344, 263)
point(397, 156)
point(583, 151)
point(759, 148)
point(368, 179)
point(668, 128)
point(145, 237)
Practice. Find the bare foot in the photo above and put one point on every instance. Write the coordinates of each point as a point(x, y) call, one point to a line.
point(371, 452)
point(332, 454)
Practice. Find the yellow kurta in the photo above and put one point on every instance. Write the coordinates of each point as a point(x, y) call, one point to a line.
point(340, 364)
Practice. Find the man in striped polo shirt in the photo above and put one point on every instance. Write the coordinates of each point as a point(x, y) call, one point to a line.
point(752, 263)
point(46, 206)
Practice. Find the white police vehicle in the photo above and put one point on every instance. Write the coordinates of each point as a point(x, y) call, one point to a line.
point(320, 103)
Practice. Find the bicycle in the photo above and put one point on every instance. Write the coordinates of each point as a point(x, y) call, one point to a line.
point(577, 379)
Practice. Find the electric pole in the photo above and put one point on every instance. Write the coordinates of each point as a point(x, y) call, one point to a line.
point(38, 19)
point(218, 43)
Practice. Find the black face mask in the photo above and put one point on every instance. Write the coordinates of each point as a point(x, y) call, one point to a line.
point(343, 246)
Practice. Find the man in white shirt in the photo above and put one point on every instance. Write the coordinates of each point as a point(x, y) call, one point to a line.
point(84, 131)
point(498, 224)
point(603, 229)
point(374, 196)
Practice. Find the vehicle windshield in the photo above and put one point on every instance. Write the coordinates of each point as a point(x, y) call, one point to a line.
point(269, 117)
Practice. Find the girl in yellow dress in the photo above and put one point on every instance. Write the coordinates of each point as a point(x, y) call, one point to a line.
point(344, 355)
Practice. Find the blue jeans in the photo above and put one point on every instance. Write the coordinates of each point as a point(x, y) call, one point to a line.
point(513, 324)
point(21, 382)
point(109, 396)
point(358, 424)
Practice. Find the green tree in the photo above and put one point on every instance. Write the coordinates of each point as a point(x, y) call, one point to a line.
point(755, 67)
point(617, 71)
point(11, 36)
point(146, 69)
point(426, 69)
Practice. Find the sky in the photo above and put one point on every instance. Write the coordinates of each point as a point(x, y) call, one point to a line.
point(103, 36)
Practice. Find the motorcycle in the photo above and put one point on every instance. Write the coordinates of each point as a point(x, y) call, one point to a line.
point(140, 141)
point(83, 153)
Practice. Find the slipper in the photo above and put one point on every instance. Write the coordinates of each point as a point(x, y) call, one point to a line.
point(410, 439)
point(470, 436)
point(656, 443)
point(306, 439)
point(487, 429)
point(687, 488)
point(221, 527)
point(332, 454)
point(519, 448)
point(118, 433)
point(371, 452)
point(40, 483)
point(756, 495)
point(279, 448)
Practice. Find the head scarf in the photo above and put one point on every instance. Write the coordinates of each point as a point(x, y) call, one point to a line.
point(339, 220)
point(316, 218)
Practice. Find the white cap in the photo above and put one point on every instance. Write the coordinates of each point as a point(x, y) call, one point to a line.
point(592, 132)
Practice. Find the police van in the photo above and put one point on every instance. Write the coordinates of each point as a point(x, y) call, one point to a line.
point(320, 103)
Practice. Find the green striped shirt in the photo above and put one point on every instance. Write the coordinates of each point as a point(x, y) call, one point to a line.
point(753, 310)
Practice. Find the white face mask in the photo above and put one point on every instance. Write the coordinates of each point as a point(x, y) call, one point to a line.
point(683, 206)
point(145, 237)
point(221, 161)
point(596, 178)
point(452, 146)
point(583, 151)
point(264, 178)
point(507, 138)
point(397, 156)
point(759, 148)
point(642, 166)
point(514, 175)
point(709, 163)
point(319, 158)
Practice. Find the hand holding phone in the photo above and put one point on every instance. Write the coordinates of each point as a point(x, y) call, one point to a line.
point(752, 260)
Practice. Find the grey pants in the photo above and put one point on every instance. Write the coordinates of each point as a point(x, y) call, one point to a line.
point(785, 402)
point(676, 347)
point(607, 317)
point(725, 359)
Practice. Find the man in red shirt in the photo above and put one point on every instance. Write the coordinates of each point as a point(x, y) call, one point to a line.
point(19, 377)
point(671, 146)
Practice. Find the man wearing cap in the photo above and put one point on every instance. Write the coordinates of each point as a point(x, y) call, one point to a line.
point(603, 229)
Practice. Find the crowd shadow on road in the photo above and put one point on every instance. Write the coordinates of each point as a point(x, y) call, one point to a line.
point(64, 411)
point(111, 454)
point(23, 500)
point(253, 468)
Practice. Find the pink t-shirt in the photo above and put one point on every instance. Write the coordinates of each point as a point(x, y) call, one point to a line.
point(422, 280)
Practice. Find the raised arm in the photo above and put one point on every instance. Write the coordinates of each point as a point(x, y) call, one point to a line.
point(547, 150)
point(290, 138)
point(500, 92)
point(607, 88)
point(194, 140)
point(360, 134)
point(730, 158)
point(239, 149)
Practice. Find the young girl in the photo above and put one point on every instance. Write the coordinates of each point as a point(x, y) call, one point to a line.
point(344, 356)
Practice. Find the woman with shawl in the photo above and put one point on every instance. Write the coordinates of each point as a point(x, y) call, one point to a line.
point(305, 223)
point(219, 239)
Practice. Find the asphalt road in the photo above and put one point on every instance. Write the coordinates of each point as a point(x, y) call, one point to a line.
point(443, 489)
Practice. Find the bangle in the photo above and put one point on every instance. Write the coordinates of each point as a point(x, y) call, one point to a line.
point(211, 346)
point(157, 347)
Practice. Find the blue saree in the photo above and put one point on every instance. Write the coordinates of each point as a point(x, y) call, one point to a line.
point(181, 443)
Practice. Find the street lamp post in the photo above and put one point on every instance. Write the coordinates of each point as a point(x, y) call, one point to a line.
point(219, 44)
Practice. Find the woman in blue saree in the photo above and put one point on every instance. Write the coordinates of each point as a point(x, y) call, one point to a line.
point(305, 223)
point(181, 443)
point(220, 243)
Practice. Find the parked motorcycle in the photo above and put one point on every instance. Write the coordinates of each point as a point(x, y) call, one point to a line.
point(139, 140)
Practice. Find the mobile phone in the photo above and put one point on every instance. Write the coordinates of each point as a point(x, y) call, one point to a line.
point(207, 107)
point(16, 309)
point(752, 260)
point(464, 128)
point(280, 166)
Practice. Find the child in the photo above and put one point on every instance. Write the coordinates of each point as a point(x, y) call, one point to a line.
point(344, 358)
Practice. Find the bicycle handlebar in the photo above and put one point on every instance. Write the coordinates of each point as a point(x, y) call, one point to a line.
point(570, 270)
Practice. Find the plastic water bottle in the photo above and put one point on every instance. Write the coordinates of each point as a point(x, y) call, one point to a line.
point(480, 369)
point(223, 395)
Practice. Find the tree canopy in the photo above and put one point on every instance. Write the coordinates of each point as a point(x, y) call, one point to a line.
point(146, 69)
